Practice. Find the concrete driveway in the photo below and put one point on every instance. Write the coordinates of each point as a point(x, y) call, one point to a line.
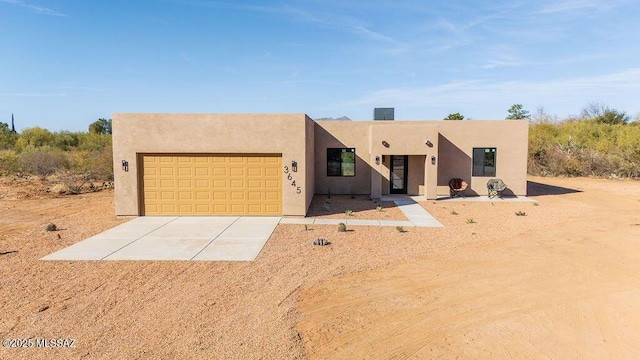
point(230, 238)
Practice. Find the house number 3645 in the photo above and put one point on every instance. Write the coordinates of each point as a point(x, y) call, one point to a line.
point(292, 180)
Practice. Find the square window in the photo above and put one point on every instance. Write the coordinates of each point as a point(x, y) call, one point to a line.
point(341, 162)
point(484, 162)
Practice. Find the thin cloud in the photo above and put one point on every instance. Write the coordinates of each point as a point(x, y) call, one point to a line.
point(33, 94)
point(564, 6)
point(576, 5)
point(293, 13)
point(35, 8)
point(477, 93)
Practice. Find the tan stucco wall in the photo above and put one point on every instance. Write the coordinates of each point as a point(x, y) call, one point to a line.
point(310, 160)
point(416, 175)
point(298, 138)
point(284, 134)
point(342, 134)
point(457, 140)
point(404, 138)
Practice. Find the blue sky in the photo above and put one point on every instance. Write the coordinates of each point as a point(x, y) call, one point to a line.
point(64, 64)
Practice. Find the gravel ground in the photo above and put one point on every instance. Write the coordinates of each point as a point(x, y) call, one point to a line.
point(227, 310)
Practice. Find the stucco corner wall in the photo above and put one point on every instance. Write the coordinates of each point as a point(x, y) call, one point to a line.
point(310, 169)
point(457, 140)
point(155, 133)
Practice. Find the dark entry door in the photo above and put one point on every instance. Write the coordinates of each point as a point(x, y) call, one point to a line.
point(398, 178)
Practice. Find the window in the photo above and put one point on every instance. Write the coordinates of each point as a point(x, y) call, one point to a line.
point(484, 161)
point(341, 162)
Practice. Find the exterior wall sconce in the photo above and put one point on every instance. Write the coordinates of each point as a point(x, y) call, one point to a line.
point(433, 160)
point(125, 165)
point(377, 160)
point(294, 166)
point(385, 144)
point(428, 143)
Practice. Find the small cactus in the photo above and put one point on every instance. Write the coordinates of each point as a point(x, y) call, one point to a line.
point(400, 229)
point(379, 208)
point(453, 212)
point(342, 227)
point(470, 221)
point(306, 227)
point(52, 227)
point(321, 242)
point(349, 212)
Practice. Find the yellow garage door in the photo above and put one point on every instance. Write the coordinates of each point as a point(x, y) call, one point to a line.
point(212, 184)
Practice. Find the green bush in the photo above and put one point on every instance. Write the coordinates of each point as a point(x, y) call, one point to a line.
point(9, 162)
point(584, 148)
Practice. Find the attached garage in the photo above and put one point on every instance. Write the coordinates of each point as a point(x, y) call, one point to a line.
point(211, 184)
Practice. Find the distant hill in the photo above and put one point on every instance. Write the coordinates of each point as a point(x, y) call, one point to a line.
point(330, 118)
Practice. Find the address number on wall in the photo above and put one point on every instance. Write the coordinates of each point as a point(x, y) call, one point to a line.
point(292, 181)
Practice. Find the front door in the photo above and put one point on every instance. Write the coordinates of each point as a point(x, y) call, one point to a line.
point(399, 174)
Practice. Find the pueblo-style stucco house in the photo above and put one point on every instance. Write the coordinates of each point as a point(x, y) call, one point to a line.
point(273, 164)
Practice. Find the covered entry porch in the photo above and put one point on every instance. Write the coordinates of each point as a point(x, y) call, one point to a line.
point(404, 159)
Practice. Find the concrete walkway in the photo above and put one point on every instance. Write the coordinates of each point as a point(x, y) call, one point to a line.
point(416, 214)
point(488, 199)
point(228, 238)
point(176, 238)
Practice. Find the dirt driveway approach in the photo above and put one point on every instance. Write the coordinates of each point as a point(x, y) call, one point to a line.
point(559, 282)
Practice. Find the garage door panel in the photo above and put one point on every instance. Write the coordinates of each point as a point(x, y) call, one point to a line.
point(167, 195)
point(254, 195)
point(236, 171)
point(220, 171)
point(168, 208)
point(212, 184)
point(238, 208)
point(237, 195)
point(254, 171)
point(185, 195)
point(202, 183)
point(203, 195)
point(236, 184)
point(272, 184)
point(271, 172)
point(271, 195)
point(167, 183)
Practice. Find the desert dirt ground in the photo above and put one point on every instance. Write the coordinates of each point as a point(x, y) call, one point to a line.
point(561, 282)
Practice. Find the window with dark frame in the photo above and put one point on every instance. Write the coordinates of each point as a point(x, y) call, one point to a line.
point(484, 162)
point(341, 162)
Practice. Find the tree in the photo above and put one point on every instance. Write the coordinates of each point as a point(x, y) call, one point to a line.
point(516, 112)
point(603, 114)
point(455, 116)
point(102, 126)
point(7, 137)
point(35, 137)
point(542, 117)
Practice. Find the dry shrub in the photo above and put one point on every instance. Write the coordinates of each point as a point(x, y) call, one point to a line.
point(43, 161)
point(72, 182)
point(94, 165)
